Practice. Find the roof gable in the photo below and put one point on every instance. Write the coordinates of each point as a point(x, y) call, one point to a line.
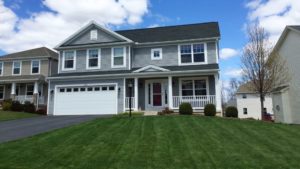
point(284, 34)
point(82, 37)
point(31, 53)
point(151, 68)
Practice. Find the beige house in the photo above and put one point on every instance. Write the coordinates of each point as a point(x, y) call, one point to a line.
point(286, 99)
point(23, 74)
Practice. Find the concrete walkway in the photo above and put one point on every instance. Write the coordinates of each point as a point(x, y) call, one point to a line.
point(21, 128)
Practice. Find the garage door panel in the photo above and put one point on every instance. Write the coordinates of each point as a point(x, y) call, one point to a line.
point(86, 102)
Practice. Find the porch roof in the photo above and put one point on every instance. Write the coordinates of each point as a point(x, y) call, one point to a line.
point(22, 78)
point(188, 68)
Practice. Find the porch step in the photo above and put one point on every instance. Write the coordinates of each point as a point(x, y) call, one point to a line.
point(150, 113)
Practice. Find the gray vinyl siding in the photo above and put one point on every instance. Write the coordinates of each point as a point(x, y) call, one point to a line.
point(54, 67)
point(105, 62)
point(120, 83)
point(26, 67)
point(142, 56)
point(290, 51)
point(103, 37)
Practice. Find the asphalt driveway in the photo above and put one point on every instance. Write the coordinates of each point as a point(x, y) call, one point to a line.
point(17, 129)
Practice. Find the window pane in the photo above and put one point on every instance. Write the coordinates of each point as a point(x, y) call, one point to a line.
point(187, 84)
point(200, 92)
point(29, 90)
point(93, 53)
point(75, 89)
point(35, 70)
point(82, 89)
point(187, 93)
point(69, 64)
point(16, 71)
point(35, 63)
point(199, 57)
point(89, 89)
point(62, 90)
point(104, 88)
point(118, 52)
point(186, 58)
point(111, 88)
point(69, 90)
point(200, 84)
point(118, 61)
point(17, 64)
point(69, 55)
point(97, 88)
point(93, 62)
point(198, 48)
point(184, 49)
point(156, 54)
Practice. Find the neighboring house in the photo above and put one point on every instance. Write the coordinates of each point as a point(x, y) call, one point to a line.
point(286, 99)
point(23, 75)
point(248, 103)
point(163, 66)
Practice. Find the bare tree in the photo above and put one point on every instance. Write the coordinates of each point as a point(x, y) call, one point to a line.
point(263, 69)
point(234, 84)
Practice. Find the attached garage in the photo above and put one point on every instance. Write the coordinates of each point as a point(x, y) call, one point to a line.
point(86, 100)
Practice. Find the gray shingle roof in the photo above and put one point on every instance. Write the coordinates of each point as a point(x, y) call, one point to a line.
point(22, 78)
point(37, 52)
point(173, 33)
point(171, 68)
point(296, 27)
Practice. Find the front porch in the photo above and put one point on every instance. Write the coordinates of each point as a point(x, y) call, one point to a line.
point(157, 93)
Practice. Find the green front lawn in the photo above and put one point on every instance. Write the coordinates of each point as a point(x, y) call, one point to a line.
point(160, 142)
point(9, 115)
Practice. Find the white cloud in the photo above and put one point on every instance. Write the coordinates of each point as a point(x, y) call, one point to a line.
point(64, 18)
point(233, 73)
point(153, 26)
point(227, 53)
point(274, 15)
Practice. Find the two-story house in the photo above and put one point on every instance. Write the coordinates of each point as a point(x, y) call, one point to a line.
point(163, 67)
point(23, 75)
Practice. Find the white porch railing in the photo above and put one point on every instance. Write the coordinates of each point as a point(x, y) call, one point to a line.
point(127, 103)
point(23, 98)
point(197, 102)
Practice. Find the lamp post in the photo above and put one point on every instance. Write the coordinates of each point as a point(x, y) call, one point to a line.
point(130, 96)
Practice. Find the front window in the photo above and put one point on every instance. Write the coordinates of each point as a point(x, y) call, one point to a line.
point(1, 68)
point(35, 66)
point(93, 59)
point(245, 111)
point(193, 87)
point(69, 60)
point(17, 68)
point(1, 92)
point(118, 57)
point(29, 89)
point(192, 53)
point(156, 54)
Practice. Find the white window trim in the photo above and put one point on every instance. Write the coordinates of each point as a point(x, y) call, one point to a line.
point(32, 67)
point(63, 61)
point(2, 69)
point(192, 53)
point(193, 78)
point(3, 92)
point(124, 57)
point(152, 54)
point(96, 33)
point(13, 67)
point(87, 59)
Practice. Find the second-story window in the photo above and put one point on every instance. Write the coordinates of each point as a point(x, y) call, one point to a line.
point(156, 54)
point(16, 68)
point(93, 59)
point(35, 67)
point(118, 57)
point(192, 53)
point(1, 68)
point(69, 60)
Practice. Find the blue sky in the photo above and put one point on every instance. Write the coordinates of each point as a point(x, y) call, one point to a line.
point(25, 19)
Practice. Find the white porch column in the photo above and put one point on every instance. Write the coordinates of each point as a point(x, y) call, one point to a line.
point(218, 93)
point(136, 94)
point(170, 92)
point(36, 88)
point(13, 88)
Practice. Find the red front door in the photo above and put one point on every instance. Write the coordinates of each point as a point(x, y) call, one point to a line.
point(157, 95)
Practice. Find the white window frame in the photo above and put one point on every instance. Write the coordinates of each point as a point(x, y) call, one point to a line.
point(94, 34)
point(3, 92)
point(32, 67)
point(63, 61)
point(2, 68)
point(88, 58)
point(193, 79)
point(124, 57)
point(13, 67)
point(192, 54)
point(160, 55)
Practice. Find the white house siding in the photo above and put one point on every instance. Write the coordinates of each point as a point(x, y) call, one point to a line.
point(252, 103)
point(291, 52)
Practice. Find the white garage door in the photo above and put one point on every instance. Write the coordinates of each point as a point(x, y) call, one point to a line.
point(86, 100)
